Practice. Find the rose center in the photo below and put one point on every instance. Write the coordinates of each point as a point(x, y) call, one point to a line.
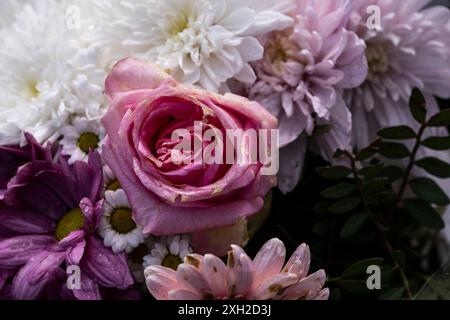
point(88, 141)
point(122, 221)
point(113, 185)
point(72, 221)
point(171, 261)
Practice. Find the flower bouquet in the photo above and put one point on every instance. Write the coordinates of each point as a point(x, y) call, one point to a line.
point(188, 149)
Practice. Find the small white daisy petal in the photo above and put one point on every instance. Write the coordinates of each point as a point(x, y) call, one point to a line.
point(168, 251)
point(117, 227)
point(81, 137)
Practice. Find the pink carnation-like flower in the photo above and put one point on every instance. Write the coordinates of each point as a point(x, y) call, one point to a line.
point(264, 278)
point(410, 48)
point(146, 107)
point(301, 78)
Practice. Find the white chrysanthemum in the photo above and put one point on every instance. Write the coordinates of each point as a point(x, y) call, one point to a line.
point(202, 42)
point(168, 251)
point(117, 227)
point(47, 77)
point(81, 137)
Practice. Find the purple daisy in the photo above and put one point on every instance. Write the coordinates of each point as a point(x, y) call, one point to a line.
point(53, 210)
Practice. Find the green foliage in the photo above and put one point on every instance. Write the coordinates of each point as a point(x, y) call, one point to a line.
point(366, 201)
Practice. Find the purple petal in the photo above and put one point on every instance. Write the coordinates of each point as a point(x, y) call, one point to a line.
point(108, 269)
point(75, 254)
point(89, 289)
point(32, 278)
point(23, 220)
point(18, 250)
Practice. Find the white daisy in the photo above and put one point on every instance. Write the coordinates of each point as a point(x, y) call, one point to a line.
point(117, 227)
point(48, 76)
point(168, 251)
point(110, 181)
point(80, 138)
point(202, 42)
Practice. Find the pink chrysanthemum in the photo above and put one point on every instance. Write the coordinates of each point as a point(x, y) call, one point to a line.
point(301, 78)
point(264, 278)
point(410, 48)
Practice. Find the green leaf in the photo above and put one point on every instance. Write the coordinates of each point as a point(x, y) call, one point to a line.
point(366, 154)
point(357, 287)
point(418, 106)
point(397, 133)
point(353, 225)
point(321, 208)
point(375, 185)
point(338, 154)
point(435, 167)
point(400, 258)
point(321, 228)
point(392, 150)
point(334, 173)
point(344, 205)
point(424, 213)
point(429, 191)
point(437, 143)
point(360, 267)
point(393, 173)
point(442, 119)
point(371, 171)
point(339, 191)
point(392, 294)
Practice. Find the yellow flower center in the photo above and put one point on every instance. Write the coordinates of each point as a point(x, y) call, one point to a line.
point(88, 141)
point(171, 261)
point(122, 220)
point(113, 185)
point(72, 221)
point(31, 90)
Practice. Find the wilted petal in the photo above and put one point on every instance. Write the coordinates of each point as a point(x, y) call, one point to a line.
point(192, 279)
point(275, 287)
point(215, 273)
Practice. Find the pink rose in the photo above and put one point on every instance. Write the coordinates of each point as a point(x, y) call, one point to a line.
point(168, 197)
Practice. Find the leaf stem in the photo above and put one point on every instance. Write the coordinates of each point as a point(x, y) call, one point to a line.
point(381, 228)
point(409, 168)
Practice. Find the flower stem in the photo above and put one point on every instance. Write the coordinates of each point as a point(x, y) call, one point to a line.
point(409, 168)
point(381, 228)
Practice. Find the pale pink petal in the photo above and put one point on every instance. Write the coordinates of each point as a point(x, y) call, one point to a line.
point(299, 261)
point(275, 287)
point(308, 286)
point(131, 74)
point(269, 260)
point(215, 273)
point(184, 295)
point(192, 279)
